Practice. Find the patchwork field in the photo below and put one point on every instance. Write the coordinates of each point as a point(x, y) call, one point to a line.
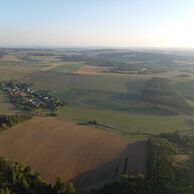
point(111, 100)
point(59, 148)
point(105, 86)
point(62, 81)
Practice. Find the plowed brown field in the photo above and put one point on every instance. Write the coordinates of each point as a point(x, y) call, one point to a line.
point(61, 148)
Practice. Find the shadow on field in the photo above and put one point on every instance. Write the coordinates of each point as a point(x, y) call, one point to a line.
point(131, 161)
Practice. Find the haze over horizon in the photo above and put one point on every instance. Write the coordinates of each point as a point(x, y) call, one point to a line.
point(102, 23)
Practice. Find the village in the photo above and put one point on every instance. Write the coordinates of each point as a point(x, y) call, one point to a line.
point(29, 99)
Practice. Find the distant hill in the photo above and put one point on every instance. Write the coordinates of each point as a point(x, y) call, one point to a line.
point(159, 93)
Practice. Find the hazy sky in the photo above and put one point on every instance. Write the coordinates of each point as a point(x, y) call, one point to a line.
point(124, 23)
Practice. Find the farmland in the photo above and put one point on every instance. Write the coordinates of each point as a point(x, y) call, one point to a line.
point(62, 81)
point(53, 140)
point(97, 97)
point(91, 87)
point(110, 98)
point(126, 123)
point(130, 96)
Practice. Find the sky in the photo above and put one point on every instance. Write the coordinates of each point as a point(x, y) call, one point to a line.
point(101, 23)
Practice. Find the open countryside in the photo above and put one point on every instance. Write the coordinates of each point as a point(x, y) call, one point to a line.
point(97, 97)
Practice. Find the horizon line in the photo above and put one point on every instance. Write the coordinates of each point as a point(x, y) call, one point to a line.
point(92, 47)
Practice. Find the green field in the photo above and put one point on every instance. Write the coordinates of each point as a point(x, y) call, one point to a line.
point(101, 99)
point(127, 123)
point(63, 81)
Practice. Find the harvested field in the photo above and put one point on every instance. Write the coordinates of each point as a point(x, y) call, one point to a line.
point(60, 148)
point(12, 58)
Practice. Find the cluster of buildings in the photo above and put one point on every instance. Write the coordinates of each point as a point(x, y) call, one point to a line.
point(22, 94)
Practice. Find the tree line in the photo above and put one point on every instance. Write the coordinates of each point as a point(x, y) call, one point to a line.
point(18, 179)
point(164, 174)
point(7, 121)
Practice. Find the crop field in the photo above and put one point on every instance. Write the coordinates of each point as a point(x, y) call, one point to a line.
point(126, 123)
point(112, 99)
point(62, 81)
point(16, 70)
point(61, 148)
point(102, 99)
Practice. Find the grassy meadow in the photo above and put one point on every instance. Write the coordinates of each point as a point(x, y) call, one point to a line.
point(126, 123)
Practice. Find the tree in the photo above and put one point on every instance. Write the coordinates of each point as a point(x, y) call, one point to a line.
point(59, 186)
point(70, 189)
point(5, 191)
